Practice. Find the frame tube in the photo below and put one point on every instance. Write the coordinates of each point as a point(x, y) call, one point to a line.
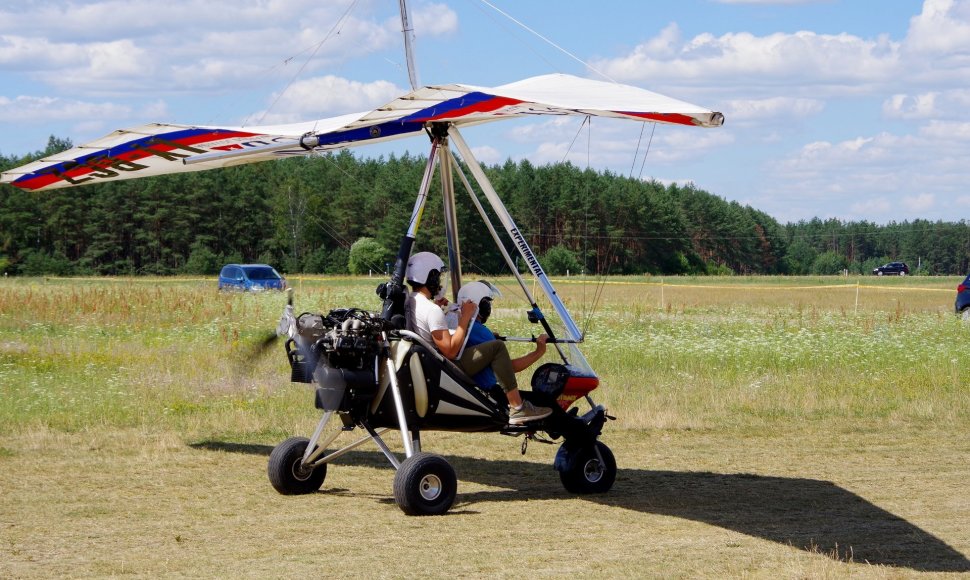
point(398, 401)
point(451, 218)
point(513, 231)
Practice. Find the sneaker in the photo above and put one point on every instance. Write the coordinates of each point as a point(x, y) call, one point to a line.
point(527, 412)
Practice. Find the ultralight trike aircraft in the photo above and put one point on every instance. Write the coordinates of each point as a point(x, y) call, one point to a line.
point(370, 372)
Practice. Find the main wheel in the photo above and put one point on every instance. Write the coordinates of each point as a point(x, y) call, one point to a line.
point(584, 472)
point(965, 314)
point(287, 475)
point(425, 485)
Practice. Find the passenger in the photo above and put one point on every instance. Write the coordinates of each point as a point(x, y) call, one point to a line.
point(482, 293)
point(425, 316)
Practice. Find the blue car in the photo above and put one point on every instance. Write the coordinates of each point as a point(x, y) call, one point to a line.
point(250, 277)
point(962, 304)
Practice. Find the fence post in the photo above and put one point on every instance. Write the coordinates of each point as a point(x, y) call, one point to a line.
point(857, 297)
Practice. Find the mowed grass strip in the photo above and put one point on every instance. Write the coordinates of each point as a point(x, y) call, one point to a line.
point(686, 504)
point(762, 431)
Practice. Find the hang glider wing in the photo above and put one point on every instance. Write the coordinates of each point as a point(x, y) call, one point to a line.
point(169, 148)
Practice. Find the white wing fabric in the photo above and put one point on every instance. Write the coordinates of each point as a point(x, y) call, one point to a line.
point(158, 149)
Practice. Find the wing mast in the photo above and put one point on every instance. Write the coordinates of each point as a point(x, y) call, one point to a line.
point(409, 45)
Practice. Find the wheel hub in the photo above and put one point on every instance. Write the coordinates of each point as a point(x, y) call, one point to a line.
point(299, 472)
point(593, 470)
point(430, 487)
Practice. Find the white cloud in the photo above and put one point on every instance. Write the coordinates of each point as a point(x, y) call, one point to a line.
point(946, 130)
point(488, 155)
point(935, 52)
point(873, 206)
point(873, 178)
point(942, 27)
point(25, 109)
point(22, 53)
point(432, 20)
point(805, 59)
point(682, 182)
point(92, 21)
point(134, 47)
point(960, 97)
point(919, 203)
point(744, 110)
point(911, 106)
point(81, 120)
point(326, 96)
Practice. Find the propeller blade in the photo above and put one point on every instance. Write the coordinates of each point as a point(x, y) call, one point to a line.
point(255, 350)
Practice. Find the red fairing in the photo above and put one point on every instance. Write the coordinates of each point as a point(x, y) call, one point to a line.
point(576, 387)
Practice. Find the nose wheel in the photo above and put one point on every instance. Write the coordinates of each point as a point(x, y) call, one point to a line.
point(586, 469)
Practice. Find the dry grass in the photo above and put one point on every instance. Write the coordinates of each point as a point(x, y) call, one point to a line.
point(872, 501)
point(764, 430)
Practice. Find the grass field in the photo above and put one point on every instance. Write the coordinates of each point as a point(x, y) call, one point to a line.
point(767, 426)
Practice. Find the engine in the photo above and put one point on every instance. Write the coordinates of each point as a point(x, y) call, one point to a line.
point(339, 352)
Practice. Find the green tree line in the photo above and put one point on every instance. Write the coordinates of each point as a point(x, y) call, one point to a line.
point(340, 213)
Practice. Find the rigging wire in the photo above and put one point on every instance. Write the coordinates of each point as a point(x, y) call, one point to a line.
point(529, 47)
point(586, 120)
point(327, 228)
point(551, 43)
point(637, 152)
point(601, 284)
point(600, 288)
point(647, 152)
point(598, 293)
point(306, 62)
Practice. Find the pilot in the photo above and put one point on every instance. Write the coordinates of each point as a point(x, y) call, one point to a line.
point(425, 317)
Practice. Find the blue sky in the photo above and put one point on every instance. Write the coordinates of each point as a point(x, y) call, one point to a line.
point(834, 108)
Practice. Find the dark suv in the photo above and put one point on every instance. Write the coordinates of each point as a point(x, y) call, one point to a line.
point(962, 304)
point(892, 268)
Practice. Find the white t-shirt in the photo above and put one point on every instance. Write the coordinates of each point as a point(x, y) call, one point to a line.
point(424, 316)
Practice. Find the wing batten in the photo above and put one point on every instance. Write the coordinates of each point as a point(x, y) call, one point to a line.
point(124, 157)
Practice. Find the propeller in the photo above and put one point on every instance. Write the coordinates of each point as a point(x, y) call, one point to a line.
point(286, 328)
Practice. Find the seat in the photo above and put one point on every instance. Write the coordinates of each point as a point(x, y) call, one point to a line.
point(452, 369)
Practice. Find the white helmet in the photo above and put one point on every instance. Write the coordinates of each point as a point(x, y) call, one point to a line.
point(476, 291)
point(421, 264)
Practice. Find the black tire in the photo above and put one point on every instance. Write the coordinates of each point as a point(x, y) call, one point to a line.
point(425, 485)
point(285, 472)
point(585, 473)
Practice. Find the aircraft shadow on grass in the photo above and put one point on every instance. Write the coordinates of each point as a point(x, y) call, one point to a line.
point(808, 514)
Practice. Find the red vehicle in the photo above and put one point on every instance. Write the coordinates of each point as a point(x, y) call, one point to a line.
point(962, 303)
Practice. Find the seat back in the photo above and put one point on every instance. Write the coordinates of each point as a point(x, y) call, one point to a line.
point(449, 366)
